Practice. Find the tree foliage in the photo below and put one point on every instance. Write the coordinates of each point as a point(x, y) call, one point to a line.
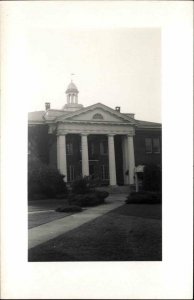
point(44, 181)
point(152, 178)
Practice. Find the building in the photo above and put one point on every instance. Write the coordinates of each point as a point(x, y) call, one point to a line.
point(95, 141)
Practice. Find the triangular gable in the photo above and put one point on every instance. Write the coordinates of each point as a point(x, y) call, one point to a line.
point(97, 112)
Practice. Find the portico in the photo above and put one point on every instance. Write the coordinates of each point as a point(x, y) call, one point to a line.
point(109, 157)
point(87, 139)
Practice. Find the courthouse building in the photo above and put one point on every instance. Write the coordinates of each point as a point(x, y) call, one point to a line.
point(96, 140)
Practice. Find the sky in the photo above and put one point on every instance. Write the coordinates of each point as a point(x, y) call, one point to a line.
point(113, 63)
point(117, 67)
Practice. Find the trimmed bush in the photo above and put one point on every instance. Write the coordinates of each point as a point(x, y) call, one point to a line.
point(83, 199)
point(84, 194)
point(80, 186)
point(88, 199)
point(102, 194)
point(72, 208)
point(144, 197)
point(76, 199)
point(44, 180)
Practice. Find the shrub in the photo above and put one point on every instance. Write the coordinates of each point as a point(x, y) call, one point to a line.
point(72, 208)
point(76, 199)
point(44, 180)
point(152, 178)
point(84, 194)
point(144, 197)
point(88, 199)
point(83, 199)
point(102, 194)
point(81, 186)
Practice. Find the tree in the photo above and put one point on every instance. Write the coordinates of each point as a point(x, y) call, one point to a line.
point(152, 178)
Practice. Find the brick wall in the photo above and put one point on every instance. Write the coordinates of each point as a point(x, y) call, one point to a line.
point(141, 157)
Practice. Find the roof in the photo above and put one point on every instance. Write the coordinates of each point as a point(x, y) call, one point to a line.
point(72, 88)
point(145, 124)
point(41, 117)
point(129, 115)
point(36, 116)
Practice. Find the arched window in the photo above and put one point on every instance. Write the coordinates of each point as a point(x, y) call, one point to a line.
point(98, 117)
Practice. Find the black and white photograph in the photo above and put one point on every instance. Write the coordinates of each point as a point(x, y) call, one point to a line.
point(94, 168)
point(97, 154)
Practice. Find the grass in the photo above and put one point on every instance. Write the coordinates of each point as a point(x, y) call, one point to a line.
point(38, 205)
point(40, 218)
point(128, 233)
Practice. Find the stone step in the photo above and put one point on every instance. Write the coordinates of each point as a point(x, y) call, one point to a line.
point(115, 189)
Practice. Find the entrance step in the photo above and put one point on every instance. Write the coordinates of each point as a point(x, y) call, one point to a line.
point(115, 189)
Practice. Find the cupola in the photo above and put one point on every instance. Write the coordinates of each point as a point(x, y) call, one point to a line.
point(72, 98)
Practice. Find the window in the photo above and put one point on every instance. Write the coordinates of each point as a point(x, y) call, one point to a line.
point(148, 145)
point(103, 147)
point(98, 117)
point(156, 145)
point(104, 172)
point(92, 148)
point(69, 148)
point(152, 145)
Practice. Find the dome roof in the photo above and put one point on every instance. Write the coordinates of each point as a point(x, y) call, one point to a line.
point(72, 88)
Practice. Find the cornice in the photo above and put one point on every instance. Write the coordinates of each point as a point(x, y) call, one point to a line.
point(148, 128)
point(95, 131)
point(95, 122)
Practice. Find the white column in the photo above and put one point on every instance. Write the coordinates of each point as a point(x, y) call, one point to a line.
point(61, 155)
point(112, 165)
point(131, 159)
point(85, 162)
point(125, 160)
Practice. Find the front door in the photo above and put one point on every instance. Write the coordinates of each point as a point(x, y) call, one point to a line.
point(93, 169)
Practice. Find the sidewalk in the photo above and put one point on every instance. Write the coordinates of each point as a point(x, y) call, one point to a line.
point(48, 231)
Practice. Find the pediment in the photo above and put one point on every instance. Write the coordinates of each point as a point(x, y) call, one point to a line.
point(97, 113)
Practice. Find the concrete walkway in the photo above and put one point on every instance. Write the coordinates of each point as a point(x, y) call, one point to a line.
point(48, 231)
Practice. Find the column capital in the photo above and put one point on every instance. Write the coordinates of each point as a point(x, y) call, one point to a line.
point(61, 134)
point(111, 134)
point(130, 134)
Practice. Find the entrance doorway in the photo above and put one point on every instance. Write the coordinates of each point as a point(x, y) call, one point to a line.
point(93, 169)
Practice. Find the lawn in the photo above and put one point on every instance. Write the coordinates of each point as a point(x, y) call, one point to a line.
point(43, 211)
point(132, 232)
point(43, 205)
point(40, 218)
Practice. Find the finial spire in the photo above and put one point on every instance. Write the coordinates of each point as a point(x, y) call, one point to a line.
point(72, 74)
